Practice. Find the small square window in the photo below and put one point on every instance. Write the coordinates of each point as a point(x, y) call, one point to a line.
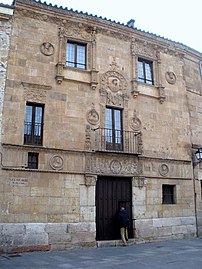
point(145, 71)
point(76, 55)
point(33, 160)
point(168, 194)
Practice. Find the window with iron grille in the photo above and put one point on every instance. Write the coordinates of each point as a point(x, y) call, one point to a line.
point(168, 194)
point(33, 128)
point(33, 160)
point(145, 71)
point(76, 55)
point(113, 130)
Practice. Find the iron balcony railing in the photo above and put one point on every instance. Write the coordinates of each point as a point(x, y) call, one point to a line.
point(33, 133)
point(118, 141)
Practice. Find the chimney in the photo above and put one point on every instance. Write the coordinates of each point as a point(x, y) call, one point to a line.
point(131, 23)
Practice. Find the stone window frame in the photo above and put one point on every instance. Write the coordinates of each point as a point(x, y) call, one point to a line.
point(89, 39)
point(26, 139)
point(151, 64)
point(88, 53)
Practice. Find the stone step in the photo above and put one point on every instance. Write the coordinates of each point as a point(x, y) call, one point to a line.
point(113, 243)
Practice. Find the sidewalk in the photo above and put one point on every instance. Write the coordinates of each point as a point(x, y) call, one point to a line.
point(175, 254)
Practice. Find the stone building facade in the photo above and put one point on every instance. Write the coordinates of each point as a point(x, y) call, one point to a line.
point(6, 13)
point(96, 115)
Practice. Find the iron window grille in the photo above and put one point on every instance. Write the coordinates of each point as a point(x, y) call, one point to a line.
point(168, 194)
point(76, 55)
point(145, 71)
point(33, 158)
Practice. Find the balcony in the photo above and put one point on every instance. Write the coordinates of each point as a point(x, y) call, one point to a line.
point(109, 140)
point(33, 133)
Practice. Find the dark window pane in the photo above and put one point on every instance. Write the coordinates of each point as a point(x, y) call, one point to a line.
point(33, 128)
point(168, 194)
point(113, 131)
point(33, 160)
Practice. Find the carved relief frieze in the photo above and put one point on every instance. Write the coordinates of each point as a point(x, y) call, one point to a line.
point(78, 31)
point(35, 92)
point(115, 166)
point(114, 34)
point(114, 99)
point(144, 48)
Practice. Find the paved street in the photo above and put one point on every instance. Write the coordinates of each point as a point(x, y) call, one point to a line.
point(175, 254)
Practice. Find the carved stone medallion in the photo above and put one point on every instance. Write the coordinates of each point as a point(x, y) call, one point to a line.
point(115, 167)
point(163, 169)
point(114, 81)
point(170, 77)
point(56, 162)
point(92, 116)
point(47, 49)
point(135, 123)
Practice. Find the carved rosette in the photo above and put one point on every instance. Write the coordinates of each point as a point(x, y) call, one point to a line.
point(56, 162)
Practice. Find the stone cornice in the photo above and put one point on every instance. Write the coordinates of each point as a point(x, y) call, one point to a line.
point(59, 16)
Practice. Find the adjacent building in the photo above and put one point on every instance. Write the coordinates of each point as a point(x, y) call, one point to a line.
point(97, 114)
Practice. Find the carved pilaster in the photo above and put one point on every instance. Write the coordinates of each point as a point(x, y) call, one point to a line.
point(138, 182)
point(90, 180)
point(134, 90)
point(88, 140)
point(59, 76)
point(60, 65)
point(94, 79)
point(162, 96)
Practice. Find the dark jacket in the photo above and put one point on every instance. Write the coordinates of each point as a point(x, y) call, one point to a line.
point(123, 218)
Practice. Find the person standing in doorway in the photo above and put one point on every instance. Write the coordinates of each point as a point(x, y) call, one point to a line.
point(124, 224)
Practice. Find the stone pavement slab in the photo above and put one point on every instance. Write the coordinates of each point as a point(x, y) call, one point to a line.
point(175, 254)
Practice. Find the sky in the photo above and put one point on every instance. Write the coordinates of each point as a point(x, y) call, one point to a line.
point(178, 20)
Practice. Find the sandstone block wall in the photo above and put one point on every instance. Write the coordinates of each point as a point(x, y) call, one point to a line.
point(57, 201)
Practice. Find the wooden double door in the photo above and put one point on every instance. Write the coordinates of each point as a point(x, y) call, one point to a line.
point(111, 193)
